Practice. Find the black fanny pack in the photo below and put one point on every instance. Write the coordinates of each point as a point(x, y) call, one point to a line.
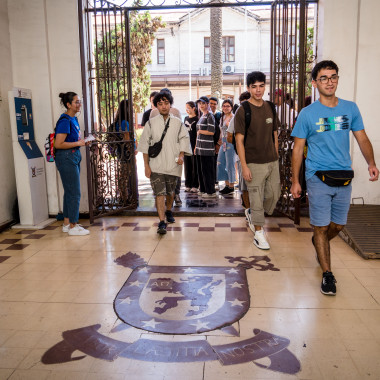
point(155, 149)
point(335, 178)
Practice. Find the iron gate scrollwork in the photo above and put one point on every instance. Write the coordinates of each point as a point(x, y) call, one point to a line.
point(106, 68)
point(293, 52)
point(111, 158)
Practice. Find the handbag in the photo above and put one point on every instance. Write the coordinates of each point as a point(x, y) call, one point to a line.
point(335, 178)
point(155, 149)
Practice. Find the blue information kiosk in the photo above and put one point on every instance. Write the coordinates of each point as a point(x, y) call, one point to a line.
point(29, 163)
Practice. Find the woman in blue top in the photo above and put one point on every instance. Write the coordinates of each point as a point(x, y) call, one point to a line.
point(226, 158)
point(67, 159)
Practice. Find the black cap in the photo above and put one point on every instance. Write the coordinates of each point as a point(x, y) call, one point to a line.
point(203, 99)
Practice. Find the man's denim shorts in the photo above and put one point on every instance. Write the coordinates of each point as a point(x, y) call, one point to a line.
point(326, 203)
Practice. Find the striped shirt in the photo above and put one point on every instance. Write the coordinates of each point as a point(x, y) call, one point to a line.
point(205, 143)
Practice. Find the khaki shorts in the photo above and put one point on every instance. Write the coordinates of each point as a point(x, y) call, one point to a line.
point(163, 184)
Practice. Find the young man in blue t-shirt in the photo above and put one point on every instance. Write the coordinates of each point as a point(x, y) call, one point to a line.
point(326, 126)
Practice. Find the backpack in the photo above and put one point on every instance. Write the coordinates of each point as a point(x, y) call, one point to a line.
point(50, 141)
point(247, 114)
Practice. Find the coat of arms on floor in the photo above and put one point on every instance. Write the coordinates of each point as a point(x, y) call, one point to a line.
point(180, 300)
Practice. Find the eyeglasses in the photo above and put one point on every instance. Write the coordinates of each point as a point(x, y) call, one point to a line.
point(324, 79)
point(78, 102)
point(226, 105)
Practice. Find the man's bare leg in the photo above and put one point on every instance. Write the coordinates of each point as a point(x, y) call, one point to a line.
point(322, 237)
point(322, 246)
point(245, 196)
point(160, 205)
point(169, 201)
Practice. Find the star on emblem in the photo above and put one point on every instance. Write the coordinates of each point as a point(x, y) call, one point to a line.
point(126, 300)
point(236, 285)
point(200, 325)
point(152, 323)
point(188, 270)
point(233, 270)
point(135, 283)
point(236, 302)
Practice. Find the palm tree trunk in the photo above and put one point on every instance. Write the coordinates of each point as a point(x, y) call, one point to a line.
point(216, 52)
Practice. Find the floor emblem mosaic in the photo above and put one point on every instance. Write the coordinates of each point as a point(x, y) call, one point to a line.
point(180, 300)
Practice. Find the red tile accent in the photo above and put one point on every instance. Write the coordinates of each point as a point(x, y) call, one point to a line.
point(191, 224)
point(141, 229)
point(129, 224)
point(286, 225)
point(17, 247)
point(26, 232)
point(3, 258)
point(238, 229)
point(9, 241)
point(305, 229)
point(34, 236)
point(174, 228)
point(208, 229)
point(272, 229)
point(111, 228)
point(49, 228)
point(222, 224)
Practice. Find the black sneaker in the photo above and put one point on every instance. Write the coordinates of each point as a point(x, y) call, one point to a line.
point(328, 284)
point(161, 228)
point(169, 216)
point(224, 191)
point(316, 254)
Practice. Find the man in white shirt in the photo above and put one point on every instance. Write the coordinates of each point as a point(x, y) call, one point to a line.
point(164, 169)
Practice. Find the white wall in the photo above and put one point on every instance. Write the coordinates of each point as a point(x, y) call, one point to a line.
point(349, 34)
point(45, 58)
point(8, 182)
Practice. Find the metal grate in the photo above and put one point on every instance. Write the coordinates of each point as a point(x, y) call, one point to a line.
point(362, 231)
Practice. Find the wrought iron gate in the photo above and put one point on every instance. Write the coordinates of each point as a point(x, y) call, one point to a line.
point(292, 55)
point(105, 55)
point(106, 81)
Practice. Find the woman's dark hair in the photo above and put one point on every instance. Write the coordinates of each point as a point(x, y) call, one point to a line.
point(229, 101)
point(193, 105)
point(67, 97)
point(122, 112)
point(163, 95)
point(244, 96)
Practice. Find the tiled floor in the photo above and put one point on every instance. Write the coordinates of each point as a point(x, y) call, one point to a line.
point(57, 318)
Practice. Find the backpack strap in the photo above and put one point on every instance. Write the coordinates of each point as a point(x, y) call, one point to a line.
point(247, 117)
point(273, 107)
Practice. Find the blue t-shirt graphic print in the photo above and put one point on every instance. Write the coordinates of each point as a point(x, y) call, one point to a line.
point(327, 131)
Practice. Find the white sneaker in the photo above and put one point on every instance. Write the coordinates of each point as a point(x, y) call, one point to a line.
point(78, 230)
point(65, 228)
point(193, 190)
point(200, 193)
point(260, 241)
point(248, 216)
point(187, 189)
point(205, 195)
